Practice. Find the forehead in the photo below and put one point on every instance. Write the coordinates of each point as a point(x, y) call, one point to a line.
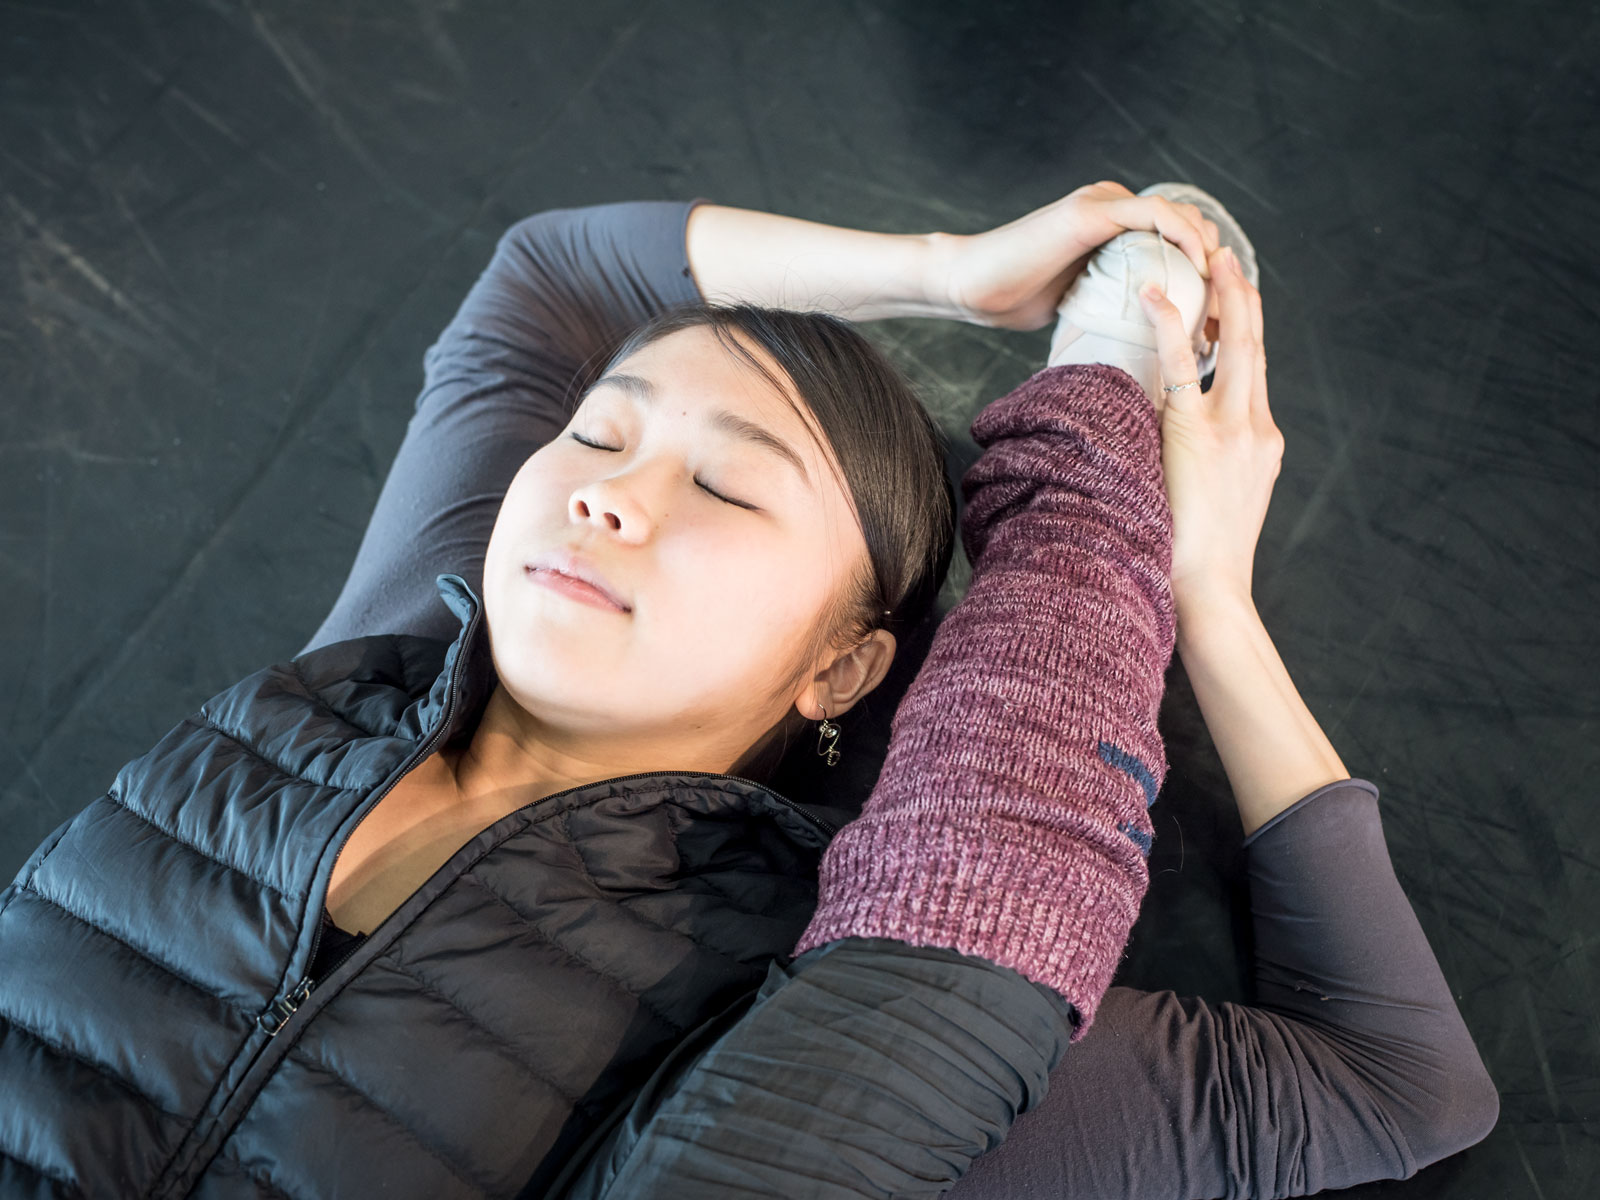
point(695, 365)
point(692, 371)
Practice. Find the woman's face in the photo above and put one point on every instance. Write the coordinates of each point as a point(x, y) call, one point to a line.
point(723, 550)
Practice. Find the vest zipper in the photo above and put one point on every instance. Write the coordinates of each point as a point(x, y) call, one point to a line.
point(272, 1019)
point(280, 1010)
point(277, 1014)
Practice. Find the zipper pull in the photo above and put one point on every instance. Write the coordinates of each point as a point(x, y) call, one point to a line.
point(279, 1011)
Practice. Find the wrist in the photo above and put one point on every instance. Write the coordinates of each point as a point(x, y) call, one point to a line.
point(1213, 601)
point(1207, 615)
point(939, 252)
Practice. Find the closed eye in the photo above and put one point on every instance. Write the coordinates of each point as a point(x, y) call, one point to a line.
point(710, 491)
point(591, 445)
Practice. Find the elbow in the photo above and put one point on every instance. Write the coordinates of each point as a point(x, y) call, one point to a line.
point(1465, 1107)
point(1482, 1108)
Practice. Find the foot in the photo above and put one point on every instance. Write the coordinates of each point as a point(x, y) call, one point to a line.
point(1101, 320)
point(1229, 234)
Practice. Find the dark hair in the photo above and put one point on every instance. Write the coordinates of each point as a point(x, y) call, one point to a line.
point(889, 450)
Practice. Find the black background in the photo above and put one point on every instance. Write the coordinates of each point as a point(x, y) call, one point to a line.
point(230, 230)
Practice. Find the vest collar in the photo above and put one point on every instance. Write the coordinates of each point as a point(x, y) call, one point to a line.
point(462, 689)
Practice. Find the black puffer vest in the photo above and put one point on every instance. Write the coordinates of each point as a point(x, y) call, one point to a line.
point(159, 1036)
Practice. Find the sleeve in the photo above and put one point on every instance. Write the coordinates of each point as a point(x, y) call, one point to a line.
point(1353, 1065)
point(867, 1068)
point(562, 290)
point(1009, 821)
point(564, 287)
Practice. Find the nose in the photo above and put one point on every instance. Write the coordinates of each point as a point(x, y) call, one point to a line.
point(614, 507)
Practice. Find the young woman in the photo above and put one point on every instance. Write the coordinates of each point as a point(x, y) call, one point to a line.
point(477, 899)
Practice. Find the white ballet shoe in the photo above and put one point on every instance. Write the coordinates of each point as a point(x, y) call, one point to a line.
point(1101, 319)
point(1229, 233)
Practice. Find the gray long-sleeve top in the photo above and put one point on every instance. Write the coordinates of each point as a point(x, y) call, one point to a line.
point(870, 1067)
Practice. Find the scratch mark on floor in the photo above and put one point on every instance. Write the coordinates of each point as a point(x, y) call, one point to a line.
point(340, 128)
point(153, 338)
point(313, 94)
point(65, 443)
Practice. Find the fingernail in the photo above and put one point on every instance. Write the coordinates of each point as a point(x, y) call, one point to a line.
point(1232, 260)
point(1150, 292)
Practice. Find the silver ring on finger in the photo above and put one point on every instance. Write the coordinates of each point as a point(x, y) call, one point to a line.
point(1178, 387)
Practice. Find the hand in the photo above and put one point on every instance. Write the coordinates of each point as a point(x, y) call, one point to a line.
point(1013, 277)
point(1220, 450)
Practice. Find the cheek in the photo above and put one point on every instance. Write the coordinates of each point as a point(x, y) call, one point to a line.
point(534, 499)
point(740, 605)
point(521, 526)
point(541, 485)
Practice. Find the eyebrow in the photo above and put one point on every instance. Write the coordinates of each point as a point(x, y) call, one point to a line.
point(642, 390)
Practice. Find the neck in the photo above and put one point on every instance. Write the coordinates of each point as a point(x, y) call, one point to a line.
point(516, 759)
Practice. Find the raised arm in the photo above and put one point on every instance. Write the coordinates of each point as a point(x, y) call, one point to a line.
point(1221, 454)
point(1009, 277)
point(564, 285)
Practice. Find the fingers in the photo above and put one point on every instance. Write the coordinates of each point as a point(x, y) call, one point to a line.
point(1210, 237)
point(1239, 346)
point(1240, 387)
point(1180, 224)
point(1172, 345)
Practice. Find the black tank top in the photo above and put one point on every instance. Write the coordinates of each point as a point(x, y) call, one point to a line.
point(335, 945)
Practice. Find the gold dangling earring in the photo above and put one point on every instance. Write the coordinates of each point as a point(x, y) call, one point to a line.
point(828, 732)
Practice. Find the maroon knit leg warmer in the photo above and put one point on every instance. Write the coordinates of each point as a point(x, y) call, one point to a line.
point(1010, 821)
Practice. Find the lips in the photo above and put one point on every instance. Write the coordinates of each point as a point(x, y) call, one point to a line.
point(567, 564)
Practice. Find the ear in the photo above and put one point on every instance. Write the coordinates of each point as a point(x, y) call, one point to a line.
point(851, 676)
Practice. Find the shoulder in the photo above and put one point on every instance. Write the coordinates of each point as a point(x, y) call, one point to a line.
point(366, 684)
point(397, 661)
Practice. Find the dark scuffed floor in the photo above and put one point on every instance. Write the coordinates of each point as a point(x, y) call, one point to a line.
point(230, 230)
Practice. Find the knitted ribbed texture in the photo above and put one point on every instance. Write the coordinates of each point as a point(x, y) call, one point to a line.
point(1010, 820)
